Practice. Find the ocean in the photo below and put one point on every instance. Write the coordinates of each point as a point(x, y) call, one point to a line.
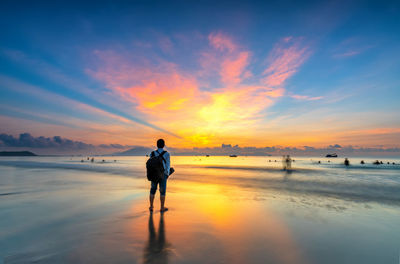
point(221, 210)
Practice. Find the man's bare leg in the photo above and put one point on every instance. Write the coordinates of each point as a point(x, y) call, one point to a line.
point(151, 202)
point(162, 200)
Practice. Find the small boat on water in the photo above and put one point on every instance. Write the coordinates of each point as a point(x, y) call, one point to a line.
point(333, 155)
point(233, 156)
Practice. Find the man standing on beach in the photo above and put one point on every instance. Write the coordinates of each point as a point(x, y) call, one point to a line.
point(163, 181)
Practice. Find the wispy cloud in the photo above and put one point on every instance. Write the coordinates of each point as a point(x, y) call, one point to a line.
point(306, 97)
point(284, 61)
point(350, 53)
point(351, 47)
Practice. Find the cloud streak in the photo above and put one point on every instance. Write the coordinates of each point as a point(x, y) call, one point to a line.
point(71, 89)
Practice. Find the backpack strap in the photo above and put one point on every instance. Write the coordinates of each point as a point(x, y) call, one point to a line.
point(162, 156)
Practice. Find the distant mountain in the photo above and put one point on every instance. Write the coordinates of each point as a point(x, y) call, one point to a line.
point(135, 151)
point(17, 153)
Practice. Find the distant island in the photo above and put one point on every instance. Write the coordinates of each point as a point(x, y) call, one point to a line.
point(17, 153)
point(135, 151)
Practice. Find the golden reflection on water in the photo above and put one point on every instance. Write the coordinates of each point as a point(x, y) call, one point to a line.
point(213, 223)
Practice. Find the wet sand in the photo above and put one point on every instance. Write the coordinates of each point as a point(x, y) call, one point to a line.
point(53, 215)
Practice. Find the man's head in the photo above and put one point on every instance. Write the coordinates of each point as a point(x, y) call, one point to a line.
point(160, 143)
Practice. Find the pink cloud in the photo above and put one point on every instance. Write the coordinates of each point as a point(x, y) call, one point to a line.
point(284, 61)
point(232, 68)
point(221, 42)
point(225, 59)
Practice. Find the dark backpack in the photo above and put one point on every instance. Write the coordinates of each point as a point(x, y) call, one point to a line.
point(155, 167)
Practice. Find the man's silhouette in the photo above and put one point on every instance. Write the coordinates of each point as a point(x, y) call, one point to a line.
point(163, 181)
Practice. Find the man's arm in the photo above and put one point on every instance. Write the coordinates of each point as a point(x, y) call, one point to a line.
point(168, 163)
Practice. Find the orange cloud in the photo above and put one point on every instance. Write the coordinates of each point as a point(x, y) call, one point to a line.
point(163, 92)
point(201, 111)
point(376, 131)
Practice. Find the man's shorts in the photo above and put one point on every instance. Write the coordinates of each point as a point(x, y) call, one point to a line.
point(163, 186)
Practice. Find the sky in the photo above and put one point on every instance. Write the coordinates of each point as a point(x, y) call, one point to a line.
point(283, 74)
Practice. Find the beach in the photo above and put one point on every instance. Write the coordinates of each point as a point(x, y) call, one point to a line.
point(221, 210)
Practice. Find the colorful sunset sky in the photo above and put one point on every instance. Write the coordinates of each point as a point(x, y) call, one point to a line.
point(201, 74)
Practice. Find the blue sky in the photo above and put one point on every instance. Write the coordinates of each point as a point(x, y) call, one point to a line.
point(201, 74)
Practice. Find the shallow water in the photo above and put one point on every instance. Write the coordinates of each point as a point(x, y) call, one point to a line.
point(222, 210)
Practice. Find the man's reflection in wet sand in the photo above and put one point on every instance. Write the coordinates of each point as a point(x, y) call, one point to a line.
point(157, 247)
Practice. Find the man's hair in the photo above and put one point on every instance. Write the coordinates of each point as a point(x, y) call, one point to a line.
point(160, 143)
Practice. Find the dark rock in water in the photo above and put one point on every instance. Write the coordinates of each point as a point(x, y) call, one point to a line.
point(17, 153)
point(319, 162)
point(376, 162)
point(362, 162)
